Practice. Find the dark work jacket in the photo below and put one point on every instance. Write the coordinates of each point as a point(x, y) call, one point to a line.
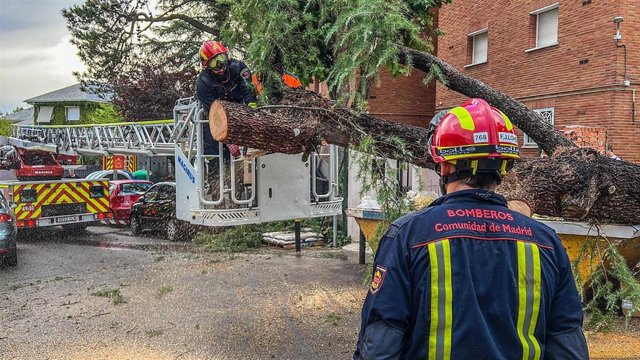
point(467, 278)
point(235, 85)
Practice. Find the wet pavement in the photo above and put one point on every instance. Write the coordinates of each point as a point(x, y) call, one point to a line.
point(106, 294)
point(169, 304)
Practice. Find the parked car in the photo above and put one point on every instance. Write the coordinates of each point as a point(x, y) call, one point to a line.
point(123, 194)
point(8, 234)
point(156, 210)
point(108, 174)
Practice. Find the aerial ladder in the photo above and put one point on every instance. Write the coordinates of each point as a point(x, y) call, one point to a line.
point(274, 187)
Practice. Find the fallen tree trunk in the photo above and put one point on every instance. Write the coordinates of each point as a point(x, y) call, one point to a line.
point(577, 184)
point(304, 120)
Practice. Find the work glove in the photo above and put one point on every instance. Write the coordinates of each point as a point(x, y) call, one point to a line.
point(234, 150)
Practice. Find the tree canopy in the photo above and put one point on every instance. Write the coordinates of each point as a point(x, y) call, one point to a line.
point(150, 92)
point(333, 40)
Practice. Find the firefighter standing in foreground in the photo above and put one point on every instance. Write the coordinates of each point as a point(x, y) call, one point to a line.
point(467, 278)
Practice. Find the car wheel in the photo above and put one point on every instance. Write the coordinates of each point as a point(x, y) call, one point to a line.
point(136, 229)
point(176, 230)
point(12, 260)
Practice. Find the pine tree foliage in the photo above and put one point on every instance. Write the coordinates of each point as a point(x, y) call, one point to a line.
point(114, 36)
point(334, 40)
point(610, 283)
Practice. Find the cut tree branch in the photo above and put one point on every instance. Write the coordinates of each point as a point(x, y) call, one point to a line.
point(543, 133)
point(191, 21)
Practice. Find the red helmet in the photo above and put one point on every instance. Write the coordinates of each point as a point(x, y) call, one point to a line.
point(474, 130)
point(214, 56)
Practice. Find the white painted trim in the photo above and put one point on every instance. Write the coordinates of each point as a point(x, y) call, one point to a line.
point(541, 47)
point(478, 32)
point(472, 65)
point(545, 9)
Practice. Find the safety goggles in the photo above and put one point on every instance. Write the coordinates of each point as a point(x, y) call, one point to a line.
point(217, 62)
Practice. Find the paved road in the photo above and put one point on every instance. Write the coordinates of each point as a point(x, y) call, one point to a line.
point(176, 305)
point(179, 304)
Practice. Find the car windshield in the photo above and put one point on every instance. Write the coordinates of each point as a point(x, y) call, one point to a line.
point(134, 188)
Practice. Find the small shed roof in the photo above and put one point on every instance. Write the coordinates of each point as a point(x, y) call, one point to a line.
point(72, 93)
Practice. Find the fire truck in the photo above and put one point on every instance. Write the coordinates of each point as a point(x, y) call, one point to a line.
point(246, 190)
point(40, 197)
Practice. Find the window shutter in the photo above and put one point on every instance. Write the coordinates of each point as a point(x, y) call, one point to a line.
point(44, 114)
point(548, 28)
point(480, 47)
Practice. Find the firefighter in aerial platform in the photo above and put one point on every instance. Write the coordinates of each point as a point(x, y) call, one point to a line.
point(221, 78)
point(468, 278)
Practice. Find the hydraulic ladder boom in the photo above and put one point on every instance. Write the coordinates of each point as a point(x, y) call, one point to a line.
point(152, 138)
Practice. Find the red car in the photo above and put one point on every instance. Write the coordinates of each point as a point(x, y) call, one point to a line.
point(123, 194)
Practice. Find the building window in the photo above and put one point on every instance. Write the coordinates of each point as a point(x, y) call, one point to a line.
point(72, 113)
point(545, 22)
point(547, 115)
point(44, 114)
point(477, 45)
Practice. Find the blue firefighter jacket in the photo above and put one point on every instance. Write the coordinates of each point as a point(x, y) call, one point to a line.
point(467, 278)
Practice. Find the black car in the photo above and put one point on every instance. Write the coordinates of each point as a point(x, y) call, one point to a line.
point(8, 234)
point(156, 210)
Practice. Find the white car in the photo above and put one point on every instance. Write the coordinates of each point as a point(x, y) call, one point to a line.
point(108, 174)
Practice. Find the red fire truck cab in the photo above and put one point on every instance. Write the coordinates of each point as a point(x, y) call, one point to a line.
point(38, 165)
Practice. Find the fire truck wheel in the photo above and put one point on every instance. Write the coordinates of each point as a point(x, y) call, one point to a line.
point(136, 229)
point(176, 230)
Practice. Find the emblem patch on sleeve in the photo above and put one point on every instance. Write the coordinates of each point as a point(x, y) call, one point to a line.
point(378, 279)
point(245, 73)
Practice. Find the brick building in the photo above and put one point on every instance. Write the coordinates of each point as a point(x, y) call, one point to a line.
point(557, 57)
point(404, 99)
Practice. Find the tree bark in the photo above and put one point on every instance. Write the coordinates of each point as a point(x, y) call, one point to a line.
point(303, 120)
point(577, 184)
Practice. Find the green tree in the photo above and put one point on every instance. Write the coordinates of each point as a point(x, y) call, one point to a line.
point(5, 127)
point(114, 36)
point(105, 113)
point(334, 40)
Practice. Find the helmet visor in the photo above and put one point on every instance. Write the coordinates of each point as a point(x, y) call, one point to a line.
point(217, 62)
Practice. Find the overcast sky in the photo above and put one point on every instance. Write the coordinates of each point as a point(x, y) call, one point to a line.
point(35, 54)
